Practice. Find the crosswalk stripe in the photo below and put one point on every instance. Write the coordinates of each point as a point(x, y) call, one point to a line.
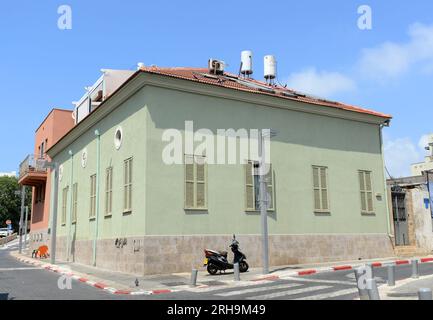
point(261, 289)
point(225, 287)
point(351, 283)
point(330, 295)
point(288, 293)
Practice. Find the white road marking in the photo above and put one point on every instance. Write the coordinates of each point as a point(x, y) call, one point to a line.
point(330, 295)
point(288, 293)
point(232, 286)
point(321, 281)
point(18, 269)
point(261, 289)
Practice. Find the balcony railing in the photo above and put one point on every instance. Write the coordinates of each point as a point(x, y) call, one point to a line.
point(32, 164)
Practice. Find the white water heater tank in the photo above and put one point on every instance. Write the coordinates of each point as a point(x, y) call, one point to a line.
point(247, 62)
point(270, 67)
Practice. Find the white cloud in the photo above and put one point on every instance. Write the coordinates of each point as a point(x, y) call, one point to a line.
point(401, 153)
point(423, 142)
point(323, 83)
point(391, 60)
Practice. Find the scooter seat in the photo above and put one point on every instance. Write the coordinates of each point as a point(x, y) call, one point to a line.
point(224, 254)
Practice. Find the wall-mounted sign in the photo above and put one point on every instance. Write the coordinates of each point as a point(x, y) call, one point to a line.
point(84, 157)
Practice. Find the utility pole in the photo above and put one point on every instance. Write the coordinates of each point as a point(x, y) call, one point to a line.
point(264, 201)
point(25, 227)
point(264, 206)
point(23, 198)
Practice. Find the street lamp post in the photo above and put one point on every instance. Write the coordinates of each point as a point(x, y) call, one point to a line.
point(23, 197)
point(264, 201)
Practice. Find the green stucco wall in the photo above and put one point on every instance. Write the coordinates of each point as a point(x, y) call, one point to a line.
point(304, 139)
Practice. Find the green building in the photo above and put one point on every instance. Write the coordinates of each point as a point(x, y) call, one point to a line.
point(121, 207)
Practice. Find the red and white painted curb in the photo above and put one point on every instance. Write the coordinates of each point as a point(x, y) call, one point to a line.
point(97, 285)
point(308, 272)
point(279, 276)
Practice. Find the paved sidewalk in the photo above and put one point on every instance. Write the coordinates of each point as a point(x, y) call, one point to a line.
point(406, 289)
point(122, 283)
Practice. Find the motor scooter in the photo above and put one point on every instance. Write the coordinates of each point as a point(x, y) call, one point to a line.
point(216, 261)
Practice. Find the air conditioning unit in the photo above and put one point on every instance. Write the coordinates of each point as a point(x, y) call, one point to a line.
point(216, 66)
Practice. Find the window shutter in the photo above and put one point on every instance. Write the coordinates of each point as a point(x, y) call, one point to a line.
point(130, 183)
point(270, 188)
point(324, 185)
point(320, 186)
point(249, 187)
point(366, 191)
point(189, 182)
point(201, 185)
point(74, 202)
point(368, 188)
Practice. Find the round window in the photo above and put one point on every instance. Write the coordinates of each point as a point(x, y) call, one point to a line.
point(118, 138)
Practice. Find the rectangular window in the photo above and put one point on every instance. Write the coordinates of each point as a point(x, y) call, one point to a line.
point(64, 204)
point(320, 186)
point(92, 213)
point(109, 191)
point(366, 189)
point(195, 182)
point(127, 197)
point(252, 187)
point(74, 202)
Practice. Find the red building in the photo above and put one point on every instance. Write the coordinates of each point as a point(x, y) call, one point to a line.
point(33, 174)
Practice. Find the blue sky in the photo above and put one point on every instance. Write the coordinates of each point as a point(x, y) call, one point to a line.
point(318, 45)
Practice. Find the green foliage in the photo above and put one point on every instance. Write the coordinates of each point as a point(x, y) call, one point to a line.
point(10, 201)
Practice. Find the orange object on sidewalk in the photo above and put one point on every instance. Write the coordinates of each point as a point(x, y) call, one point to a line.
point(42, 252)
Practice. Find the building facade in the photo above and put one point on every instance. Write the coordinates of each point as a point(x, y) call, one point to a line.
point(34, 175)
point(121, 207)
point(411, 209)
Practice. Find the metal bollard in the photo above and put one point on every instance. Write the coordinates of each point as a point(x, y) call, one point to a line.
point(363, 293)
point(391, 275)
point(415, 269)
point(370, 265)
point(237, 272)
point(425, 294)
point(373, 292)
point(194, 276)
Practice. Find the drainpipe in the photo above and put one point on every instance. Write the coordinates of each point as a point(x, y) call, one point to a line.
point(388, 222)
point(54, 211)
point(71, 190)
point(98, 164)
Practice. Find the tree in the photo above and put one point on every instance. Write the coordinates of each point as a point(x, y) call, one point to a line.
point(10, 201)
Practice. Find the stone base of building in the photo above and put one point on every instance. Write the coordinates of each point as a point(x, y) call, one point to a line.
point(174, 254)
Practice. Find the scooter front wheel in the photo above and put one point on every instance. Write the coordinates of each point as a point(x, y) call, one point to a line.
point(213, 270)
point(243, 267)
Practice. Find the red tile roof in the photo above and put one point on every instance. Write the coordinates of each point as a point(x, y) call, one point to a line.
point(231, 81)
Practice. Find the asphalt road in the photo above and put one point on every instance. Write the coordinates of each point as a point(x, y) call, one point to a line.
point(20, 281)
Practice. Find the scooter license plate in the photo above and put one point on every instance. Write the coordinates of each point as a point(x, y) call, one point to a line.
point(205, 262)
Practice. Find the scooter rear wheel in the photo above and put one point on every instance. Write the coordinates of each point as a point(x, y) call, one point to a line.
point(213, 270)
